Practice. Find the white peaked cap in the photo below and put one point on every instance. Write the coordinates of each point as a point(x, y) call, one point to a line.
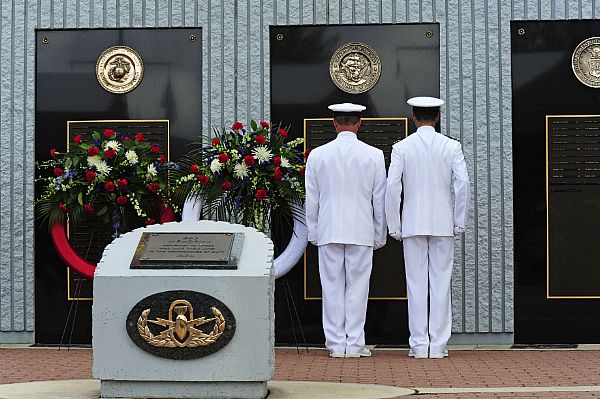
point(425, 102)
point(347, 107)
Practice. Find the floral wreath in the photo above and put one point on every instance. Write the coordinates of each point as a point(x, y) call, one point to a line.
point(249, 175)
point(114, 178)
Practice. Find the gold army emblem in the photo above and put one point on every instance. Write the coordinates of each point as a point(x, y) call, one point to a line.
point(355, 68)
point(586, 62)
point(119, 69)
point(181, 328)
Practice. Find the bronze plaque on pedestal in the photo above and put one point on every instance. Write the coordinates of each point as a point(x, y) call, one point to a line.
point(188, 251)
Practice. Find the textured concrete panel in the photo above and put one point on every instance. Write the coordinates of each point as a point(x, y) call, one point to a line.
point(481, 147)
point(228, 50)
point(17, 168)
point(29, 169)
point(506, 165)
point(414, 11)
point(6, 154)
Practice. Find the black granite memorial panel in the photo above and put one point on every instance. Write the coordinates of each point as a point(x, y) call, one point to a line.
point(556, 242)
point(67, 89)
point(301, 88)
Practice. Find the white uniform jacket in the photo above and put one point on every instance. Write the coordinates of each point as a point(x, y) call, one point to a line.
point(345, 193)
point(426, 163)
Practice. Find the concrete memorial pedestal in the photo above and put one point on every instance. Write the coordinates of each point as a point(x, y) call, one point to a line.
point(185, 332)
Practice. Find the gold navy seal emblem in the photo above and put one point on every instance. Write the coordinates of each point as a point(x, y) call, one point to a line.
point(586, 62)
point(119, 69)
point(355, 68)
point(181, 328)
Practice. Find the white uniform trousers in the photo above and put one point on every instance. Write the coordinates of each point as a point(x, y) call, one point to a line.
point(345, 271)
point(428, 262)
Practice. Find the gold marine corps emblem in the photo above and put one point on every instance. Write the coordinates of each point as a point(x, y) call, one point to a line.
point(119, 69)
point(586, 62)
point(181, 329)
point(355, 68)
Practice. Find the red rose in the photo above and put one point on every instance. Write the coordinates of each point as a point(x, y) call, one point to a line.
point(139, 137)
point(53, 152)
point(203, 179)
point(162, 159)
point(78, 139)
point(109, 186)
point(58, 172)
point(153, 187)
point(223, 157)
point(150, 221)
point(237, 126)
point(122, 200)
point(249, 160)
point(90, 176)
point(306, 153)
point(283, 132)
point(63, 207)
point(277, 175)
point(110, 153)
point(226, 186)
point(260, 139)
point(127, 139)
point(108, 133)
point(301, 171)
point(194, 168)
point(260, 194)
point(155, 148)
point(216, 141)
point(265, 125)
point(88, 208)
point(277, 161)
point(122, 183)
point(93, 151)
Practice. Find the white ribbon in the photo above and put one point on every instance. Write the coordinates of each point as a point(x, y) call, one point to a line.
point(287, 259)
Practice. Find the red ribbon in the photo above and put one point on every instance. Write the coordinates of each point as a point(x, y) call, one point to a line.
point(73, 259)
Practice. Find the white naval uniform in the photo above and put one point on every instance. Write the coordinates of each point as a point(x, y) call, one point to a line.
point(345, 201)
point(427, 164)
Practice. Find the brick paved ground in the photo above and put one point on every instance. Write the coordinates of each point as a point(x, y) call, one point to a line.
point(461, 369)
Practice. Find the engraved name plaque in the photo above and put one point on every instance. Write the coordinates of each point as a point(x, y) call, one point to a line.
point(188, 251)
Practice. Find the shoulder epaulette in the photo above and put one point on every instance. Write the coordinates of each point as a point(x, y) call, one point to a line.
point(452, 138)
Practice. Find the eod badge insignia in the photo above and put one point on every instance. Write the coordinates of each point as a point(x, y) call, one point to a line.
point(167, 324)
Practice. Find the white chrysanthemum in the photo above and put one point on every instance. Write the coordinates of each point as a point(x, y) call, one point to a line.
point(240, 170)
point(215, 165)
point(114, 144)
point(262, 153)
point(151, 171)
point(285, 163)
point(131, 157)
point(92, 161)
point(102, 167)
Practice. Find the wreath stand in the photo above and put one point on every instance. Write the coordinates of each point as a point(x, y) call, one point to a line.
point(78, 263)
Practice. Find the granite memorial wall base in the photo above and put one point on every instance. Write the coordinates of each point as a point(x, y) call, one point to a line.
point(240, 368)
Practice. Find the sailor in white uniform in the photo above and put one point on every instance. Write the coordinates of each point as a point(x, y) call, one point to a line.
point(345, 201)
point(424, 167)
